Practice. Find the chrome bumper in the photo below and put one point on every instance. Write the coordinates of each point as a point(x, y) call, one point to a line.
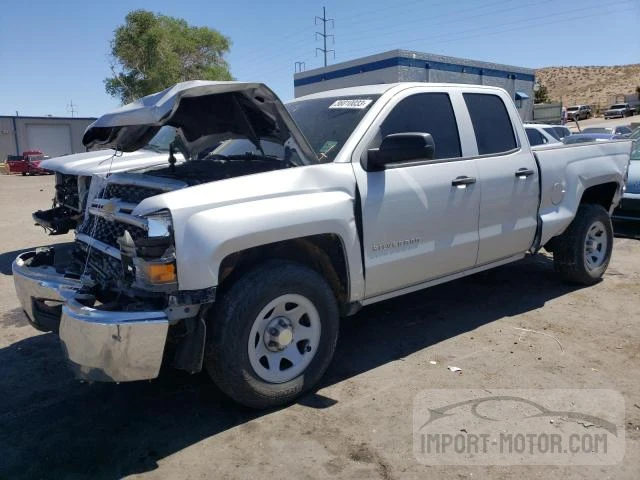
point(110, 346)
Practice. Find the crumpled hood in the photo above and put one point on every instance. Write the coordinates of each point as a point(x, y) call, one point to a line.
point(200, 110)
point(104, 161)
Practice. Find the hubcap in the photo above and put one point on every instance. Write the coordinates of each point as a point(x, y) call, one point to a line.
point(595, 245)
point(284, 338)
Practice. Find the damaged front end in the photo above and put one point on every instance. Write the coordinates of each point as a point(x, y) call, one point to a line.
point(113, 296)
point(68, 205)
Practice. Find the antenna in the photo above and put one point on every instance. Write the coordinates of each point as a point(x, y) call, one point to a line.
point(324, 35)
point(72, 108)
point(300, 67)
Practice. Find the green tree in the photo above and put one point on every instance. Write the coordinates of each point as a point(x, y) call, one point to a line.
point(151, 52)
point(542, 95)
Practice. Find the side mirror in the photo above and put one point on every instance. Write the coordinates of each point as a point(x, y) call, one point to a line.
point(398, 148)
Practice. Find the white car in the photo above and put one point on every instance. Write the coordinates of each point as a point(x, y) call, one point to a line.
point(78, 174)
point(244, 258)
point(540, 134)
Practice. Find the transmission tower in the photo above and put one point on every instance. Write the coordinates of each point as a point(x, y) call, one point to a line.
point(324, 34)
point(71, 108)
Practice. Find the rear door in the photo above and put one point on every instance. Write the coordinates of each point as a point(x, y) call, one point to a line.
point(509, 177)
point(418, 224)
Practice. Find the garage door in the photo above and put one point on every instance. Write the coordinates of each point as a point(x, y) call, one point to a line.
point(52, 140)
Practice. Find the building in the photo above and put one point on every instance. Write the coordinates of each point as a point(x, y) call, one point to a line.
point(408, 66)
point(53, 136)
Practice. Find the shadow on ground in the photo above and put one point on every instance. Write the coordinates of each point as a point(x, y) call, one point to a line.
point(53, 426)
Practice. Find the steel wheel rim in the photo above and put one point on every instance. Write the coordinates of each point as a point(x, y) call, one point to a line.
point(595, 245)
point(282, 356)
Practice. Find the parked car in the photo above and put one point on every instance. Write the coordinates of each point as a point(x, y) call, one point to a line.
point(538, 134)
point(581, 112)
point(244, 262)
point(78, 174)
point(621, 130)
point(28, 163)
point(590, 137)
point(619, 110)
point(558, 131)
point(629, 208)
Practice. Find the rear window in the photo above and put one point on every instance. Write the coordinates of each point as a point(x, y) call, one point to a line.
point(491, 123)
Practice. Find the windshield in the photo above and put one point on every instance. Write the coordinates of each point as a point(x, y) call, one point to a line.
point(572, 109)
point(552, 131)
point(161, 140)
point(328, 122)
point(618, 105)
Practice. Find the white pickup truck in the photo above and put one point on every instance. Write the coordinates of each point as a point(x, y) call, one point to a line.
point(244, 259)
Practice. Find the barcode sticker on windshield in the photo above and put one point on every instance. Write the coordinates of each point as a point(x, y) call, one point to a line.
point(357, 103)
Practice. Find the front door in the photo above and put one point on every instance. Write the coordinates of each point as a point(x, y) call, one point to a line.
point(420, 219)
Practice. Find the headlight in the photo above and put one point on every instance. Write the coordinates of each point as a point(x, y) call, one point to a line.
point(159, 224)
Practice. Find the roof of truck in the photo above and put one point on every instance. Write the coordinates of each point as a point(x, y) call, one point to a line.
point(381, 88)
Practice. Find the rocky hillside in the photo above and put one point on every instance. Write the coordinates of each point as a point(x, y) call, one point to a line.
point(597, 86)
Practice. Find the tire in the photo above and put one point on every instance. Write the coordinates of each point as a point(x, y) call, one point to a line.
point(572, 258)
point(245, 311)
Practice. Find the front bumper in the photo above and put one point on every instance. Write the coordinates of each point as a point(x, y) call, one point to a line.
point(100, 345)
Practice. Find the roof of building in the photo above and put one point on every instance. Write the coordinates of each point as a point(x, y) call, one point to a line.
point(394, 58)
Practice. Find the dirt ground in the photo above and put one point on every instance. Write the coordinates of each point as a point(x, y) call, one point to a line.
point(358, 424)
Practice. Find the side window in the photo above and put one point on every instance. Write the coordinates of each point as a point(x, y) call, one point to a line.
point(426, 113)
point(535, 137)
point(491, 123)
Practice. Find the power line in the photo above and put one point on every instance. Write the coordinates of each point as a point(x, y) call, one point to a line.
point(487, 30)
point(324, 35)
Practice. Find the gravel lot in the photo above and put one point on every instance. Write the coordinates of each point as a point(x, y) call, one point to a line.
point(358, 424)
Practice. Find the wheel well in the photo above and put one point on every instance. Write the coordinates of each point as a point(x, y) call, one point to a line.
point(323, 253)
point(600, 194)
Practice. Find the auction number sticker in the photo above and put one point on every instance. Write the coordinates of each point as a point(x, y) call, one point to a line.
point(356, 103)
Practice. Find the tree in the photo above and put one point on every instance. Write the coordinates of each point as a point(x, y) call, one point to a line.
point(542, 95)
point(151, 52)
point(638, 91)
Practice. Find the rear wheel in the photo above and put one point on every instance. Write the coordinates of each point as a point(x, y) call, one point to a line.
point(582, 253)
point(273, 335)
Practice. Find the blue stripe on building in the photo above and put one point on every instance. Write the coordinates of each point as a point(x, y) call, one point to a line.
point(411, 62)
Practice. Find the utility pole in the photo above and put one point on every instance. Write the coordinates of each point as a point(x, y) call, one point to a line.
point(72, 108)
point(324, 35)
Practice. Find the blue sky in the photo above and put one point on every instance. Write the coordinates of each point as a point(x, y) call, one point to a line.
point(52, 52)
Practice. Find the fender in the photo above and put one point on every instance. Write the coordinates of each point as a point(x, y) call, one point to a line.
point(567, 172)
point(214, 220)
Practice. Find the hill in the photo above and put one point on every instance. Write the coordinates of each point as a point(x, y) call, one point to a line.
point(594, 85)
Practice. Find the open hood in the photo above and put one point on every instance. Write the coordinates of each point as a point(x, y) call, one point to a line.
point(201, 110)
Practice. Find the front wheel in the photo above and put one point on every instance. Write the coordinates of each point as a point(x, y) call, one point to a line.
point(582, 253)
point(273, 335)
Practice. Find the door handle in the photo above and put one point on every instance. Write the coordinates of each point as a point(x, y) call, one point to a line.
point(463, 181)
point(524, 172)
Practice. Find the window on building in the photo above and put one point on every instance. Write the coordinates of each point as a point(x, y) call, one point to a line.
point(426, 113)
point(491, 123)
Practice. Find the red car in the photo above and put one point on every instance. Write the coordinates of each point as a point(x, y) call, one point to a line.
point(28, 163)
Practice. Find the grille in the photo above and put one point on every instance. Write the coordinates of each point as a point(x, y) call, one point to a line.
point(108, 232)
point(129, 193)
point(106, 268)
